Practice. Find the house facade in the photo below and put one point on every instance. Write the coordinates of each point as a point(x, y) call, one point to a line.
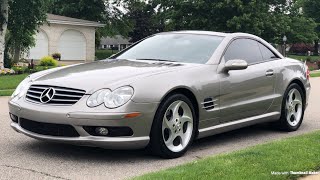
point(117, 42)
point(73, 38)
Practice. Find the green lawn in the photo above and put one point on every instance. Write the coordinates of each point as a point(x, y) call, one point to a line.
point(9, 82)
point(315, 74)
point(301, 153)
point(303, 58)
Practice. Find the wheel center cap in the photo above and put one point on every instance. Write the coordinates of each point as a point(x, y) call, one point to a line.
point(177, 126)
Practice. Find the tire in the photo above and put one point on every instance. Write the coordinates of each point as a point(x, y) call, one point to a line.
point(292, 109)
point(173, 128)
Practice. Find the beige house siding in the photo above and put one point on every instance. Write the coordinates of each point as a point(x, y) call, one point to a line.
point(54, 32)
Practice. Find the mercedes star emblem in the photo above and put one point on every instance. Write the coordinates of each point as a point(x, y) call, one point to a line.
point(47, 95)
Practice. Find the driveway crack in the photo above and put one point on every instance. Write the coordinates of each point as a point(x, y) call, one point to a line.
point(35, 171)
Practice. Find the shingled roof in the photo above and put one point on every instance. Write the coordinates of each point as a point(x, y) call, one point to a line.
point(118, 39)
point(56, 19)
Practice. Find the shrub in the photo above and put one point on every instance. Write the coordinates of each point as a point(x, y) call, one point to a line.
point(56, 56)
point(20, 69)
point(308, 59)
point(104, 54)
point(42, 68)
point(48, 61)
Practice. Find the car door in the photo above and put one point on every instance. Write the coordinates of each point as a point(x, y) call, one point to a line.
point(249, 92)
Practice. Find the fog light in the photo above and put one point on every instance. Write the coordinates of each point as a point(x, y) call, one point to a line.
point(102, 131)
point(14, 118)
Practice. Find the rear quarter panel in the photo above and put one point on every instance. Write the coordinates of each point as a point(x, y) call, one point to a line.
point(288, 70)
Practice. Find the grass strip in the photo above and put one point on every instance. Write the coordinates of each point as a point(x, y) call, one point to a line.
point(300, 153)
point(316, 74)
point(11, 81)
point(6, 92)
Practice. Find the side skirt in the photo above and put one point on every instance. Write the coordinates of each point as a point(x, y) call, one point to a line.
point(229, 126)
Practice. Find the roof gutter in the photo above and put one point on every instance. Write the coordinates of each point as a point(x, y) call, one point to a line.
point(76, 23)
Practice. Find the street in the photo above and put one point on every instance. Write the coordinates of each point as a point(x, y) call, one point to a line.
point(22, 157)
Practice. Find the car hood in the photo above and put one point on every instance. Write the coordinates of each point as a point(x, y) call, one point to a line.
point(105, 74)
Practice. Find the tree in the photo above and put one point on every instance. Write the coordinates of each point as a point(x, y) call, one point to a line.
point(302, 30)
point(311, 8)
point(267, 19)
point(141, 15)
point(3, 29)
point(22, 20)
point(92, 10)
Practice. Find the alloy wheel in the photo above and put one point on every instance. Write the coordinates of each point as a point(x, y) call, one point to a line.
point(294, 107)
point(177, 126)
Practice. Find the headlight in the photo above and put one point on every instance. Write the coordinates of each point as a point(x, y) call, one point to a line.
point(22, 88)
point(97, 98)
point(111, 99)
point(118, 97)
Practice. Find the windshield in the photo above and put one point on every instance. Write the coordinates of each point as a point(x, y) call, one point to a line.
point(188, 48)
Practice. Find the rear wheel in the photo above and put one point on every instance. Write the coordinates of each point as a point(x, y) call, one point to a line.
point(173, 128)
point(293, 107)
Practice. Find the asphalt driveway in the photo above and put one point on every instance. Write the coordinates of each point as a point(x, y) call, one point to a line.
point(24, 158)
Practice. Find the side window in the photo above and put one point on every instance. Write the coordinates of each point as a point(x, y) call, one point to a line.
point(267, 54)
point(245, 49)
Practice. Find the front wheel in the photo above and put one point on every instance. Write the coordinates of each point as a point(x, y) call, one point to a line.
point(293, 107)
point(173, 128)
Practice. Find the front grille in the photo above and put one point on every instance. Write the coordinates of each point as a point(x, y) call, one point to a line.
point(49, 129)
point(62, 95)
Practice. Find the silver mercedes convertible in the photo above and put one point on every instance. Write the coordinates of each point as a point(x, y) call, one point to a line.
point(163, 93)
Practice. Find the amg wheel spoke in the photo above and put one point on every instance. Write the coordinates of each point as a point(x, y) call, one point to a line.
point(184, 141)
point(297, 102)
point(166, 124)
point(169, 142)
point(291, 96)
point(185, 119)
point(176, 109)
point(289, 114)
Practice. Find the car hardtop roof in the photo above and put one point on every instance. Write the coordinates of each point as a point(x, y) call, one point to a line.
point(212, 33)
point(197, 32)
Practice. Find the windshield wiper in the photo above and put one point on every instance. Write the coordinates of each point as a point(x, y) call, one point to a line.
point(157, 60)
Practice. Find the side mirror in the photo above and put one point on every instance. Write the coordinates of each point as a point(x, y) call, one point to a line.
point(236, 64)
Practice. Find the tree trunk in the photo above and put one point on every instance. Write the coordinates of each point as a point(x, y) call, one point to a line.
point(316, 47)
point(4, 13)
point(16, 55)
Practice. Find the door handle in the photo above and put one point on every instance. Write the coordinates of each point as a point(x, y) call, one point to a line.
point(269, 73)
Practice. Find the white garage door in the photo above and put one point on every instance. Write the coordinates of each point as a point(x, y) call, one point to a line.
point(41, 47)
point(72, 45)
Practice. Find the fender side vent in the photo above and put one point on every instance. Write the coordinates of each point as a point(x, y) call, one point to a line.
point(209, 103)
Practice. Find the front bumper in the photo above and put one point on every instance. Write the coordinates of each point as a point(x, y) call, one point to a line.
point(109, 143)
point(79, 116)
